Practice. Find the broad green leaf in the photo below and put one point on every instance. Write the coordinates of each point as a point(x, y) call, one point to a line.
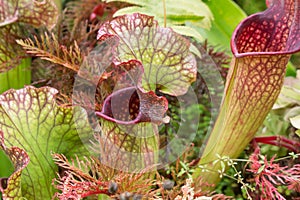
point(188, 31)
point(178, 12)
point(11, 187)
point(227, 15)
point(31, 120)
point(168, 64)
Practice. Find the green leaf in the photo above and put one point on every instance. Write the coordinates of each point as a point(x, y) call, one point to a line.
point(6, 167)
point(291, 70)
point(178, 12)
point(295, 121)
point(227, 15)
point(168, 64)
point(188, 31)
point(298, 132)
point(250, 7)
point(261, 168)
point(31, 119)
point(289, 94)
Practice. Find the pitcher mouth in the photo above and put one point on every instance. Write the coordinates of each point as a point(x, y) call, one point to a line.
point(128, 100)
point(268, 33)
point(125, 106)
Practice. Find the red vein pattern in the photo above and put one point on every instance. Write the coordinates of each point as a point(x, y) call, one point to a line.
point(168, 64)
point(31, 120)
point(8, 47)
point(15, 15)
point(262, 45)
point(36, 13)
point(129, 119)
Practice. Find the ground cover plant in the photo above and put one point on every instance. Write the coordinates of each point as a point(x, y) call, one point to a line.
point(134, 100)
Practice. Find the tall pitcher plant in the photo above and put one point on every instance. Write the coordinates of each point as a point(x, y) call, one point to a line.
point(262, 45)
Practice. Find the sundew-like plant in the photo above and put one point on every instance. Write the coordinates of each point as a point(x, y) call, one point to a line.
point(98, 134)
